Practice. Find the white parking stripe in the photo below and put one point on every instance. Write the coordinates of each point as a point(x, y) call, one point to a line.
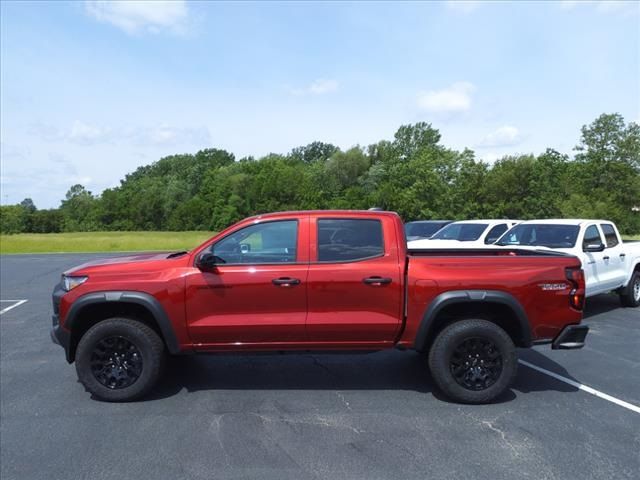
point(584, 388)
point(11, 307)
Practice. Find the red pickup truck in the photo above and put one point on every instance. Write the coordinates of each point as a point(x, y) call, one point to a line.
point(318, 280)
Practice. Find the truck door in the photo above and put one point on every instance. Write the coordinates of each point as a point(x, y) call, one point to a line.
point(614, 257)
point(355, 281)
point(593, 262)
point(256, 294)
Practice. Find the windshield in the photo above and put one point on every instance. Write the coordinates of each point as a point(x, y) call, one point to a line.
point(463, 232)
point(424, 230)
point(542, 235)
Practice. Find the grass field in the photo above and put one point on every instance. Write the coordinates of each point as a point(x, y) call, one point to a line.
point(100, 241)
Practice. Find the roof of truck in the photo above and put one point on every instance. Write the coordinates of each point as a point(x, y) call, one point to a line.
point(339, 213)
point(488, 220)
point(566, 221)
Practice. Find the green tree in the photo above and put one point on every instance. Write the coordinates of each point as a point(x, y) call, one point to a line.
point(28, 205)
point(607, 170)
point(78, 210)
point(12, 219)
point(314, 152)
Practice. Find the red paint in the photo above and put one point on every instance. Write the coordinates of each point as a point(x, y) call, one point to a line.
point(239, 308)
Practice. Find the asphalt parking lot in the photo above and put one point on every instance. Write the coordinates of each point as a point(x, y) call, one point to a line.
point(373, 416)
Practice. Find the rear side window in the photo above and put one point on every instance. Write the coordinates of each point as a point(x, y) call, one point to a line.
point(424, 230)
point(495, 233)
point(609, 235)
point(347, 240)
point(545, 235)
point(591, 236)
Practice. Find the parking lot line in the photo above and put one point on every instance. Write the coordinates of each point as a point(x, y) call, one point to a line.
point(584, 388)
point(16, 303)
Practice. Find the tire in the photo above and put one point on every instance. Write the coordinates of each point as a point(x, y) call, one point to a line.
point(119, 359)
point(457, 347)
point(630, 295)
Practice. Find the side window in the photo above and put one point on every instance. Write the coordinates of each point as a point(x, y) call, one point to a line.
point(609, 234)
point(347, 240)
point(591, 236)
point(270, 242)
point(495, 233)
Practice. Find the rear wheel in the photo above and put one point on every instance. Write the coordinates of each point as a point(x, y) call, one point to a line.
point(119, 359)
point(630, 295)
point(473, 361)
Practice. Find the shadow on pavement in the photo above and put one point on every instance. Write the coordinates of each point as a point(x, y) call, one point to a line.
point(387, 370)
point(530, 380)
point(601, 304)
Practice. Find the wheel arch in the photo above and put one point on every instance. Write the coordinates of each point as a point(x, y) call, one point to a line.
point(92, 308)
point(496, 306)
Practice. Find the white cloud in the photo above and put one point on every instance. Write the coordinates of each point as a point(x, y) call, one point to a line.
point(490, 157)
point(604, 6)
point(569, 4)
point(455, 98)
point(463, 6)
point(167, 135)
point(317, 87)
point(47, 178)
point(613, 6)
point(135, 16)
point(504, 136)
point(86, 134)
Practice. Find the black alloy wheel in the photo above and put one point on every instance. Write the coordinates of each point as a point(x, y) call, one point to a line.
point(476, 363)
point(116, 362)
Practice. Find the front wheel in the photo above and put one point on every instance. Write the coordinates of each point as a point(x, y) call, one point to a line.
point(630, 296)
point(119, 359)
point(473, 361)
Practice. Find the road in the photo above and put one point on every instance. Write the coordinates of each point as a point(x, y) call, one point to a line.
point(370, 416)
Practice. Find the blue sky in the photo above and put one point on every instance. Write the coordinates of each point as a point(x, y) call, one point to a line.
point(92, 90)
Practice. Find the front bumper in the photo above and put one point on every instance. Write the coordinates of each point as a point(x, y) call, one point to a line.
point(62, 337)
point(571, 337)
point(59, 335)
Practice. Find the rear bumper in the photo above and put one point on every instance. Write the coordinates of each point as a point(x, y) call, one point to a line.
point(571, 337)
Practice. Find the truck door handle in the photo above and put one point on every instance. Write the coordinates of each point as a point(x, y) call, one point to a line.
point(285, 282)
point(622, 255)
point(606, 258)
point(591, 262)
point(376, 281)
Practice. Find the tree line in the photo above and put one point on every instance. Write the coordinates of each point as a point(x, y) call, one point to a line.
point(413, 174)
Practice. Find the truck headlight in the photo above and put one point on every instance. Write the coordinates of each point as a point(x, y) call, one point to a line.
point(69, 283)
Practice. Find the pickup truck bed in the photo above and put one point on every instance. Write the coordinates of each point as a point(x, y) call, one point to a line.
point(320, 280)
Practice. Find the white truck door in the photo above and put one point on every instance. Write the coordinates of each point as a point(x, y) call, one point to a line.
point(592, 262)
point(614, 257)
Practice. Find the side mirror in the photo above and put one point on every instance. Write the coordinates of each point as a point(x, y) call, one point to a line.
point(245, 248)
point(594, 247)
point(207, 261)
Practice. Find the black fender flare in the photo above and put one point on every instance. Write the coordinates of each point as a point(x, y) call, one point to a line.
point(139, 298)
point(427, 325)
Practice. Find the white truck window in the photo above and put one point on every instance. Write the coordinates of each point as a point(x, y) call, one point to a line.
point(609, 235)
point(591, 236)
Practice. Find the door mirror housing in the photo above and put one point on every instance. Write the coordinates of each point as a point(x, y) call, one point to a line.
point(207, 261)
point(594, 247)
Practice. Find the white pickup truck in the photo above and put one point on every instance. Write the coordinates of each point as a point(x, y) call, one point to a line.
point(465, 234)
point(608, 262)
